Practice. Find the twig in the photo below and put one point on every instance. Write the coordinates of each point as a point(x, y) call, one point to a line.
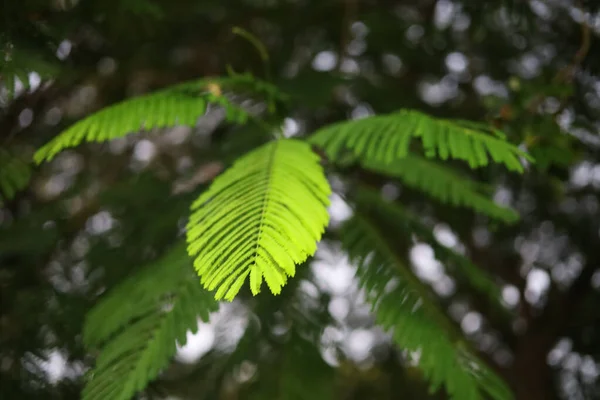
point(258, 45)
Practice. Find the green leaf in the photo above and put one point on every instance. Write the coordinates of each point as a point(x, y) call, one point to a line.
point(181, 104)
point(408, 224)
point(138, 325)
point(443, 184)
point(402, 305)
point(14, 175)
point(260, 218)
point(386, 138)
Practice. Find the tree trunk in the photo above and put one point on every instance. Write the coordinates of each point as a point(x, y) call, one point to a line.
point(532, 375)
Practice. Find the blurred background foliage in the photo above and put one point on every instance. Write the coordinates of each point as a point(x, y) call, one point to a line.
point(99, 213)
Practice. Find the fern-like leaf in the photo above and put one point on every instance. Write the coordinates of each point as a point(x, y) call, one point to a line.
point(443, 184)
point(260, 218)
point(14, 175)
point(385, 138)
point(417, 324)
point(138, 325)
point(181, 104)
point(408, 224)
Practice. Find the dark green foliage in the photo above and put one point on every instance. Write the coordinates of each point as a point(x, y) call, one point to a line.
point(443, 184)
point(17, 63)
point(300, 363)
point(14, 175)
point(407, 223)
point(265, 214)
point(139, 324)
point(402, 303)
point(457, 94)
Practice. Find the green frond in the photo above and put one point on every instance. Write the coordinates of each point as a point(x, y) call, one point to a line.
point(402, 304)
point(138, 325)
point(14, 175)
point(260, 218)
point(181, 104)
point(385, 138)
point(443, 184)
point(409, 224)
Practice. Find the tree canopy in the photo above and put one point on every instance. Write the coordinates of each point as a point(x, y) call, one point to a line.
point(299, 199)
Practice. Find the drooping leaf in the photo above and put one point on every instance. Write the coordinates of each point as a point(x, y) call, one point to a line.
point(263, 216)
point(181, 104)
point(386, 138)
point(402, 306)
point(408, 224)
point(442, 183)
point(138, 325)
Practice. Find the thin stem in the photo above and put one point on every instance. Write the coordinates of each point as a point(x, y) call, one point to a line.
point(258, 45)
